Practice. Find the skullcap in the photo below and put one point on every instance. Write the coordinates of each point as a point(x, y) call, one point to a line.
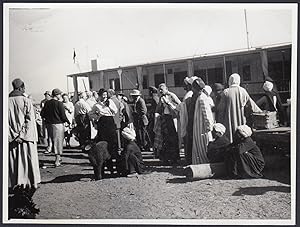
point(218, 127)
point(244, 130)
point(268, 86)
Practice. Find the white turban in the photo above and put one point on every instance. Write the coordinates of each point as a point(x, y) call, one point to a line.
point(190, 80)
point(268, 86)
point(128, 133)
point(208, 90)
point(218, 127)
point(234, 79)
point(244, 130)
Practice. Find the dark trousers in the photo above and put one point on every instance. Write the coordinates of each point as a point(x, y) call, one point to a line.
point(83, 128)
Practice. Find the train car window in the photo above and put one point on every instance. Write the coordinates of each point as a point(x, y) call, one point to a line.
point(246, 73)
point(279, 68)
point(114, 84)
point(145, 81)
point(215, 75)
point(158, 79)
point(201, 73)
point(179, 78)
point(228, 68)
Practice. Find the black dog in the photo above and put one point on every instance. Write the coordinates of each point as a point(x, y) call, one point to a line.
point(98, 155)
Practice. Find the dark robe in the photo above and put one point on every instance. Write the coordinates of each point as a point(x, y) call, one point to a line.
point(133, 158)
point(266, 103)
point(244, 159)
point(216, 149)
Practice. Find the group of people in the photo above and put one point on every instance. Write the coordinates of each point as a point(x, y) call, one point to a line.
point(211, 123)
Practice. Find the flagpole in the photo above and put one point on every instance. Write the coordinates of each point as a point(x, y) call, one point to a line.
point(247, 33)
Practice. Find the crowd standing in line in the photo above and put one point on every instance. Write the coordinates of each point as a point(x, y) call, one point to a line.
point(212, 125)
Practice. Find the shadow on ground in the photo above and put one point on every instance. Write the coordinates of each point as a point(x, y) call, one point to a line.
point(69, 178)
point(261, 190)
point(174, 170)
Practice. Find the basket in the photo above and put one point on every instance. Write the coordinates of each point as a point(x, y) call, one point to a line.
point(265, 120)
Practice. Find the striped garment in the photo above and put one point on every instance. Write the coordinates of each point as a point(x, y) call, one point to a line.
point(158, 138)
point(203, 122)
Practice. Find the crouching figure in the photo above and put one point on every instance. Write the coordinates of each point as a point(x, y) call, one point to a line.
point(132, 153)
point(244, 158)
point(98, 155)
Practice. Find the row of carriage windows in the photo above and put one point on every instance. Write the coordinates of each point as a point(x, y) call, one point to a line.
point(212, 70)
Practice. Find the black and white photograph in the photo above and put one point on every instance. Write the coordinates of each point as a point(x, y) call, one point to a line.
point(149, 113)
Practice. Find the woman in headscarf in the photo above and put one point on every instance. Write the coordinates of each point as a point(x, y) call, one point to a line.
point(232, 105)
point(244, 158)
point(271, 101)
point(216, 149)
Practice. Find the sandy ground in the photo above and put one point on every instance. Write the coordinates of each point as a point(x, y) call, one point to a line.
point(67, 192)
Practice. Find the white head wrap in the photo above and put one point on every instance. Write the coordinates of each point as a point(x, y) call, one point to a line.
point(190, 80)
point(128, 133)
point(218, 127)
point(208, 90)
point(244, 130)
point(268, 86)
point(234, 79)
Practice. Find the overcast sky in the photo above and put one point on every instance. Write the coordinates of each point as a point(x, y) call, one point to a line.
point(41, 41)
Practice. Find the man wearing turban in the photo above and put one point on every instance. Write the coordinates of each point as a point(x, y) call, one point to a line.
point(244, 158)
point(23, 164)
point(233, 104)
point(188, 86)
point(271, 101)
point(217, 148)
point(199, 121)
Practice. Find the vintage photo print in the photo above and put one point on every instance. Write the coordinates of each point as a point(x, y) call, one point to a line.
point(172, 113)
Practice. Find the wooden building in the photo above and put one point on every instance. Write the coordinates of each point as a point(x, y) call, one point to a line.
point(252, 65)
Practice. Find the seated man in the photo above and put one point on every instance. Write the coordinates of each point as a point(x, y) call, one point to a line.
point(132, 153)
point(216, 149)
point(244, 159)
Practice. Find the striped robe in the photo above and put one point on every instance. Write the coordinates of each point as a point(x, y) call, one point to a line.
point(203, 122)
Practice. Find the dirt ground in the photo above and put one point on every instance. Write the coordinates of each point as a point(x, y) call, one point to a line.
point(67, 192)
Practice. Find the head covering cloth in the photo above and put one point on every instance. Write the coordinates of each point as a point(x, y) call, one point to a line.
point(189, 80)
point(198, 84)
point(244, 130)
point(220, 128)
point(17, 83)
point(129, 133)
point(268, 86)
point(207, 89)
point(234, 80)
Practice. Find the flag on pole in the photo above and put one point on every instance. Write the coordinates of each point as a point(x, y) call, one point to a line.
point(74, 56)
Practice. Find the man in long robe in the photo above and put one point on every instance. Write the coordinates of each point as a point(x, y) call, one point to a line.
point(202, 124)
point(232, 105)
point(23, 168)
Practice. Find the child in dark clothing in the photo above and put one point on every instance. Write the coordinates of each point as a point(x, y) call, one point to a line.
point(132, 153)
